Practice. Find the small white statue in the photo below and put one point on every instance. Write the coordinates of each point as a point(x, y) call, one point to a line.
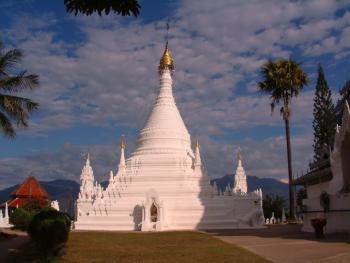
point(55, 205)
point(273, 219)
point(283, 215)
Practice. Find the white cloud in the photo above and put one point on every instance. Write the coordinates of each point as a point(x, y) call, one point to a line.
point(110, 77)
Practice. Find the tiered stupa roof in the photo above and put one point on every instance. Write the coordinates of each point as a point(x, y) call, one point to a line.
point(164, 130)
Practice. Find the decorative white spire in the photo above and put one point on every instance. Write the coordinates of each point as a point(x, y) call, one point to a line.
point(6, 211)
point(111, 178)
point(122, 153)
point(87, 179)
point(240, 183)
point(197, 156)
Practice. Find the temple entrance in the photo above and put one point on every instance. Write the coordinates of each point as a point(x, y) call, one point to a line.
point(154, 213)
point(345, 162)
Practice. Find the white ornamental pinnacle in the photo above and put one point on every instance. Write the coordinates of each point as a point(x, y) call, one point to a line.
point(197, 158)
point(122, 154)
point(240, 183)
point(111, 178)
point(6, 211)
point(87, 179)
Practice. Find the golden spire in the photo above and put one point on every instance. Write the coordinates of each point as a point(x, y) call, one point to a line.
point(197, 143)
point(166, 61)
point(122, 142)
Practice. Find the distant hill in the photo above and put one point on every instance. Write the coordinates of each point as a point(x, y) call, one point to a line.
point(66, 191)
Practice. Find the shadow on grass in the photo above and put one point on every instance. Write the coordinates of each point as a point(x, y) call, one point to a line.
point(28, 252)
point(5, 236)
point(291, 231)
point(162, 247)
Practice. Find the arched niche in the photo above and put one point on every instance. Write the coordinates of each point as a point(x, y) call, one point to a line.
point(154, 213)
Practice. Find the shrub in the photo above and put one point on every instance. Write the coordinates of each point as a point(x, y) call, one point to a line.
point(49, 230)
point(36, 204)
point(273, 203)
point(21, 218)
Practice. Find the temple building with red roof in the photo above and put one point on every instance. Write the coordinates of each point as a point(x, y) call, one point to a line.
point(30, 190)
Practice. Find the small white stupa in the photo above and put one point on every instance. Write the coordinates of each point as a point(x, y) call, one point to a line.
point(4, 218)
point(163, 185)
point(240, 182)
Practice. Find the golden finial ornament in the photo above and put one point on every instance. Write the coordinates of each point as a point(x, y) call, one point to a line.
point(166, 61)
point(197, 143)
point(122, 144)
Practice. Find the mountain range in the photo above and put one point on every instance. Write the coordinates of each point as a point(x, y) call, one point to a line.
point(66, 191)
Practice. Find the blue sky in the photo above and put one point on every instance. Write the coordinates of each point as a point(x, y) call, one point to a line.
point(99, 77)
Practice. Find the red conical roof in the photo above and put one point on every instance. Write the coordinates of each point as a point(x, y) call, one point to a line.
point(30, 188)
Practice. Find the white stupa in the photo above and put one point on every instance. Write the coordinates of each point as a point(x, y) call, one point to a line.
point(4, 218)
point(240, 182)
point(162, 185)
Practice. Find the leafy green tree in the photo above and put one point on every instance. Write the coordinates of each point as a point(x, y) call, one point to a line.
point(324, 117)
point(49, 229)
point(88, 7)
point(302, 194)
point(273, 203)
point(35, 205)
point(21, 218)
point(283, 79)
point(13, 108)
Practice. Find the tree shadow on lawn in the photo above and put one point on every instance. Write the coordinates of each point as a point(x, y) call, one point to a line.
point(170, 247)
point(288, 231)
point(28, 252)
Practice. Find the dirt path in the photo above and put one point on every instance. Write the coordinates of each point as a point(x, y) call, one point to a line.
point(12, 244)
point(287, 244)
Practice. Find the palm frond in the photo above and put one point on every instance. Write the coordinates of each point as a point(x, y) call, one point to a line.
point(14, 109)
point(282, 79)
point(9, 60)
point(6, 126)
point(19, 82)
point(18, 108)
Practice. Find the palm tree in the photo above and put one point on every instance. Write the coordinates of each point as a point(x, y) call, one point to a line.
point(14, 110)
point(283, 79)
point(120, 7)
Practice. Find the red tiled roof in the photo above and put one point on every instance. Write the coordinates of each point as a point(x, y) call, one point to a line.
point(20, 202)
point(30, 188)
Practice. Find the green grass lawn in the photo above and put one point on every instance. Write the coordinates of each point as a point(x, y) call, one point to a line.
point(164, 247)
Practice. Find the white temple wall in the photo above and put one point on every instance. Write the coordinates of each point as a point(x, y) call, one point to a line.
point(338, 216)
point(313, 191)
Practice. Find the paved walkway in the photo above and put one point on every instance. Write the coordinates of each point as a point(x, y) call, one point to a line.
point(11, 245)
point(287, 244)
